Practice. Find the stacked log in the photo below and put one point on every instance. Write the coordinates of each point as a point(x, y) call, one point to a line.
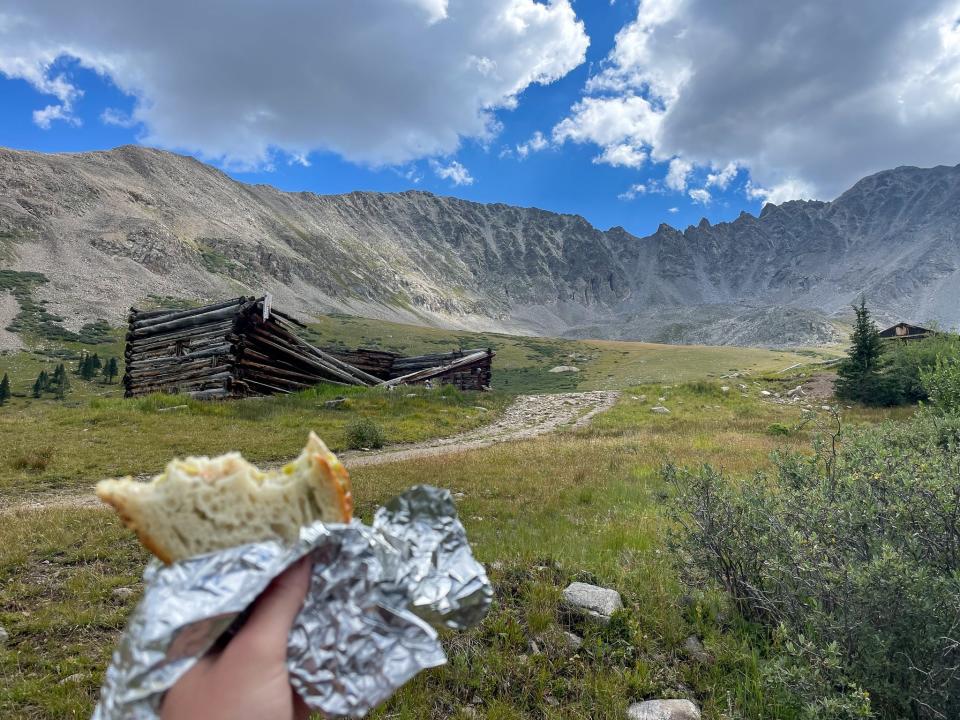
point(184, 351)
point(245, 347)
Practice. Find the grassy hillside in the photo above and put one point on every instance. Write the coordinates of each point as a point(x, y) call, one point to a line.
point(93, 433)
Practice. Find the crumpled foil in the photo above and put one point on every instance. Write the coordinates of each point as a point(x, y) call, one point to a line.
point(367, 625)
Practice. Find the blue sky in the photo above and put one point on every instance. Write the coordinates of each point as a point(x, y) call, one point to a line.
point(713, 116)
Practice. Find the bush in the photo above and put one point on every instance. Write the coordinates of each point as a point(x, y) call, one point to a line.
point(365, 433)
point(942, 383)
point(850, 560)
point(906, 363)
point(777, 429)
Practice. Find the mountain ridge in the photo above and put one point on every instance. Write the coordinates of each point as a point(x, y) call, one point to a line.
point(111, 228)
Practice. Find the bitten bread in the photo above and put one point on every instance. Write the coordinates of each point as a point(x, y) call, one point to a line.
point(202, 504)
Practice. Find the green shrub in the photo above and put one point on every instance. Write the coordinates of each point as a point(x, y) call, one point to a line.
point(906, 363)
point(942, 383)
point(850, 560)
point(777, 429)
point(365, 433)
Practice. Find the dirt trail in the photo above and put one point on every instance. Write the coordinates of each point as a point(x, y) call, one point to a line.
point(527, 417)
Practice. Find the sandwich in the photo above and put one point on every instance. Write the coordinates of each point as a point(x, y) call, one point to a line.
point(199, 504)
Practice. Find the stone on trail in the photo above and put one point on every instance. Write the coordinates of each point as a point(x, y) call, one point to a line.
point(663, 710)
point(564, 369)
point(592, 600)
point(659, 410)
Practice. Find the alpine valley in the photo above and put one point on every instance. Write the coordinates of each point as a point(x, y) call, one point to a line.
point(112, 229)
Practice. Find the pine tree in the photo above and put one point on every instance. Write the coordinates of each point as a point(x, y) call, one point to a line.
point(89, 365)
point(40, 384)
point(859, 376)
point(110, 369)
point(4, 389)
point(60, 382)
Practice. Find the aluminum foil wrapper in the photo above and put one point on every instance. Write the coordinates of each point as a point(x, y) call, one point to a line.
point(376, 595)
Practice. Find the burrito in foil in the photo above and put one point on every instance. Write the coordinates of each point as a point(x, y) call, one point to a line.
point(369, 623)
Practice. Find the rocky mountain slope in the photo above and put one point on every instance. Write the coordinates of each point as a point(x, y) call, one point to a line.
point(111, 229)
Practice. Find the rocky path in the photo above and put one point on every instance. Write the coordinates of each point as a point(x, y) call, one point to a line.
point(527, 417)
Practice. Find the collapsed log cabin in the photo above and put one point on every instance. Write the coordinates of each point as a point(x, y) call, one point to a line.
point(245, 347)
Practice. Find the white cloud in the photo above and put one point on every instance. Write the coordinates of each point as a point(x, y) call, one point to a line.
point(454, 172)
point(621, 156)
point(112, 116)
point(678, 173)
point(631, 192)
point(673, 210)
point(535, 144)
point(43, 118)
point(789, 189)
point(622, 126)
point(805, 97)
point(722, 178)
point(379, 82)
point(701, 196)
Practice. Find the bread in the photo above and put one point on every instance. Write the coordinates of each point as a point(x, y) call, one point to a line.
point(202, 504)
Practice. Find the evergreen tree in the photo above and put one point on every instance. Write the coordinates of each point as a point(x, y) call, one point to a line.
point(60, 382)
point(40, 384)
point(4, 389)
point(110, 369)
point(89, 365)
point(859, 376)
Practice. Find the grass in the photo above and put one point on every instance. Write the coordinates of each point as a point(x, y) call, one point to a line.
point(584, 505)
point(82, 442)
point(50, 444)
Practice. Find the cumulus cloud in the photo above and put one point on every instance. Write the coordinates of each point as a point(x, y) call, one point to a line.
point(379, 82)
point(806, 97)
point(701, 196)
point(631, 192)
point(454, 172)
point(535, 144)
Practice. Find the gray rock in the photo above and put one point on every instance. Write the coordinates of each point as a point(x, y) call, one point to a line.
point(572, 641)
point(4, 636)
point(123, 593)
point(766, 393)
point(660, 410)
point(592, 600)
point(663, 710)
point(564, 369)
point(696, 651)
point(336, 402)
point(724, 389)
point(75, 678)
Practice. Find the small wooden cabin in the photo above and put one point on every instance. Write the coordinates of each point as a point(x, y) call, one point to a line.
point(905, 331)
point(245, 347)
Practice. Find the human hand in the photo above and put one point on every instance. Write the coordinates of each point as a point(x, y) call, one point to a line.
point(248, 679)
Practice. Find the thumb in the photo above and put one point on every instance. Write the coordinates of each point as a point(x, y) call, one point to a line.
point(264, 635)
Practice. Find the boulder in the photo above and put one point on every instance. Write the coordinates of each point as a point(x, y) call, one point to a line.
point(564, 369)
point(123, 593)
point(592, 600)
point(659, 410)
point(663, 710)
point(4, 636)
point(766, 393)
point(336, 402)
